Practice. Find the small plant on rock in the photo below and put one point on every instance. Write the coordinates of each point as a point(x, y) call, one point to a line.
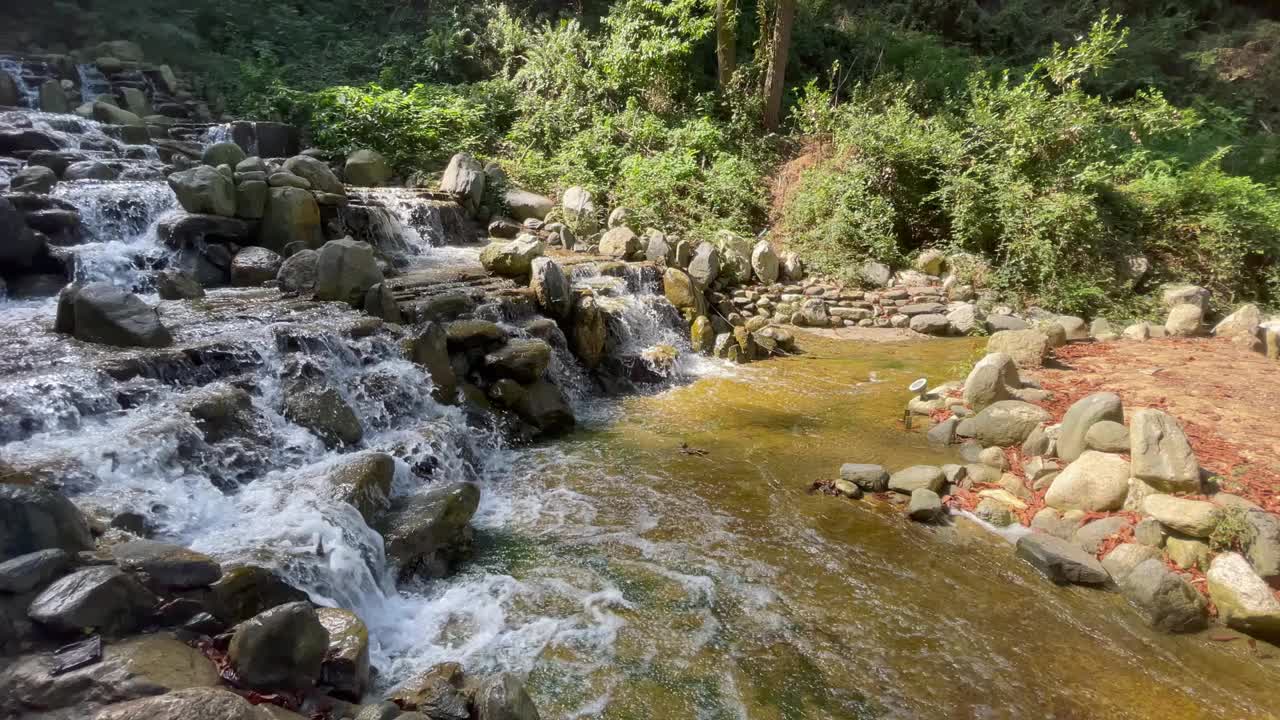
point(1233, 531)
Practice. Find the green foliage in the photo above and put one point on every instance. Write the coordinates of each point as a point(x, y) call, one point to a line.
point(1233, 531)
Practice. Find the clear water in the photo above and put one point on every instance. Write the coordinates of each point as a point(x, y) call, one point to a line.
point(29, 96)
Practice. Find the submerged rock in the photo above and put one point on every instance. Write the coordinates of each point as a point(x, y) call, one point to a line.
point(247, 590)
point(323, 411)
point(280, 649)
point(1060, 561)
point(428, 534)
point(1164, 598)
point(346, 663)
point(503, 697)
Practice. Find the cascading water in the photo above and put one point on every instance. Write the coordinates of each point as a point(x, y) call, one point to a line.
point(93, 83)
point(216, 134)
point(12, 66)
point(407, 225)
point(119, 221)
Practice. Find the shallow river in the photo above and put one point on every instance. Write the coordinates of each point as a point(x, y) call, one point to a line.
point(635, 581)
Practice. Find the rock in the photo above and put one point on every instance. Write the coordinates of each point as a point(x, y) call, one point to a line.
point(680, 290)
point(247, 590)
point(1124, 557)
point(906, 481)
point(1245, 602)
point(1162, 456)
point(174, 284)
point(540, 404)
point(1175, 295)
point(994, 512)
point(1244, 322)
point(874, 274)
point(189, 704)
point(221, 411)
point(1094, 482)
point(1059, 525)
point(381, 303)
point(282, 179)
point(9, 95)
point(297, 272)
point(102, 597)
point(925, 506)
point(223, 153)
point(315, 172)
point(704, 268)
point(107, 315)
point(551, 288)
point(346, 664)
point(944, 433)
point(621, 243)
point(471, 335)
point(1028, 348)
point(1264, 546)
point(505, 228)
point(438, 694)
point(112, 115)
point(251, 199)
point(1137, 331)
point(512, 259)
point(1164, 598)
point(1060, 561)
point(764, 262)
point(1187, 553)
point(427, 534)
point(367, 168)
point(1081, 416)
point(587, 331)
point(1091, 536)
point(34, 570)
point(931, 261)
point(930, 324)
point(204, 190)
point(965, 319)
point(291, 215)
point(1150, 532)
point(702, 335)
point(580, 210)
point(465, 179)
point(813, 313)
point(254, 266)
point(1196, 518)
point(999, 323)
point(791, 267)
point(33, 179)
point(429, 348)
point(1185, 320)
point(992, 379)
point(1003, 423)
point(323, 411)
point(167, 566)
point(1107, 436)
point(521, 360)
point(503, 697)
point(524, 204)
point(33, 518)
point(871, 478)
point(345, 270)
point(279, 649)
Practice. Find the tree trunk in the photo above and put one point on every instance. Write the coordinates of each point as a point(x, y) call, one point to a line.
point(779, 47)
point(726, 39)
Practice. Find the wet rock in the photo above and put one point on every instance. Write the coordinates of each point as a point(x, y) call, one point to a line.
point(167, 566)
point(221, 411)
point(512, 259)
point(346, 663)
point(680, 290)
point(251, 199)
point(33, 179)
point(437, 693)
point(925, 506)
point(588, 330)
point(381, 303)
point(908, 480)
point(1185, 320)
point(315, 172)
point(20, 139)
point(33, 518)
point(541, 404)
point(704, 267)
point(363, 480)
point(102, 597)
point(430, 349)
point(468, 335)
point(386, 711)
point(1060, 561)
point(465, 179)
point(521, 360)
point(280, 649)
point(503, 697)
point(428, 534)
point(621, 243)
point(1162, 456)
point(551, 288)
point(1124, 557)
point(1196, 518)
point(254, 266)
point(34, 570)
point(291, 215)
point(246, 590)
point(1107, 436)
point(204, 190)
point(1081, 416)
point(297, 272)
point(525, 205)
point(19, 246)
point(104, 314)
point(223, 153)
point(367, 168)
point(1245, 602)
point(994, 512)
point(174, 284)
point(702, 335)
point(345, 270)
point(1164, 598)
point(1091, 536)
point(1028, 348)
point(1003, 423)
point(89, 170)
point(323, 411)
point(1094, 482)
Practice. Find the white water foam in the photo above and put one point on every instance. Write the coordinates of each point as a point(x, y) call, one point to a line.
point(119, 219)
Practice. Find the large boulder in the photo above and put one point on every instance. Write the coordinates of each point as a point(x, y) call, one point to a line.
point(323, 411)
point(430, 349)
point(253, 266)
point(992, 379)
point(103, 597)
point(438, 693)
point(167, 566)
point(1164, 598)
point(680, 290)
point(173, 284)
point(908, 480)
point(1093, 482)
point(1185, 320)
point(1107, 436)
point(525, 205)
point(930, 324)
point(34, 570)
point(875, 274)
point(580, 210)
point(541, 404)
point(345, 270)
point(925, 506)
point(704, 267)
point(464, 179)
point(297, 272)
point(551, 288)
point(1175, 295)
point(33, 179)
point(105, 314)
point(34, 518)
point(279, 649)
point(346, 663)
point(292, 215)
point(1028, 348)
point(222, 153)
point(19, 246)
point(588, 330)
point(1245, 602)
point(428, 533)
point(1081, 416)
point(204, 190)
point(244, 591)
point(764, 262)
point(1003, 423)
point(367, 168)
point(521, 360)
point(621, 243)
point(198, 703)
point(1196, 518)
point(1162, 456)
point(1244, 322)
point(251, 199)
point(792, 267)
point(735, 258)
point(503, 697)
point(315, 172)
point(512, 259)
point(1060, 561)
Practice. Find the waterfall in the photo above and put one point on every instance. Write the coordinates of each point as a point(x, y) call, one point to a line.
point(71, 132)
point(119, 221)
point(407, 225)
point(216, 134)
point(92, 82)
point(13, 67)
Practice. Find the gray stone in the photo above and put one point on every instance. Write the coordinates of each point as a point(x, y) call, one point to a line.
point(1028, 348)
point(1264, 546)
point(282, 179)
point(992, 379)
point(1091, 536)
point(346, 663)
point(551, 288)
point(997, 323)
point(251, 199)
point(204, 190)
point(704, 267)
point(33, 518)
point(1107, 436)
point(291, 215)
point(1162, 456)
point(875, 274)
point(1004, 423)
point(112, 115)
point(315, 172)
point(426, 534)
point(465, 179)
point(503, 697)
point(1094, 482)
point(621, 243)
point(1187, 552)
point(345, 270)
point(512, 259)
point(363, 481)
point(1164, 599)
point(925, 506)
point(223, 153)
point(172, 284)
point(1060, 561)
point(323, 411)
point(253, 266)
point(34, 570)
point(1150, 532)
point(764, 262)
point(1245, 602)
point(1185, 320)
point(1175, 295)
point(930, 324)
point(1196, 518)
point(871, 478)
point(279, 649)
point(102, 597)
point(380, 302)
point(521, 360)
point(906, 481)
point(297, 272)
point(1124, 557)
point(167, 566)
point(580, 210)
point(429, 348)
point(1081, 416)
point(525, 205)
point(367, 168)
point(33, 179)
point(944, 433)
point(247, 590)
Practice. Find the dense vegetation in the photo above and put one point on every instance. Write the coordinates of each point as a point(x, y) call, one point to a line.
point(1056, 142)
